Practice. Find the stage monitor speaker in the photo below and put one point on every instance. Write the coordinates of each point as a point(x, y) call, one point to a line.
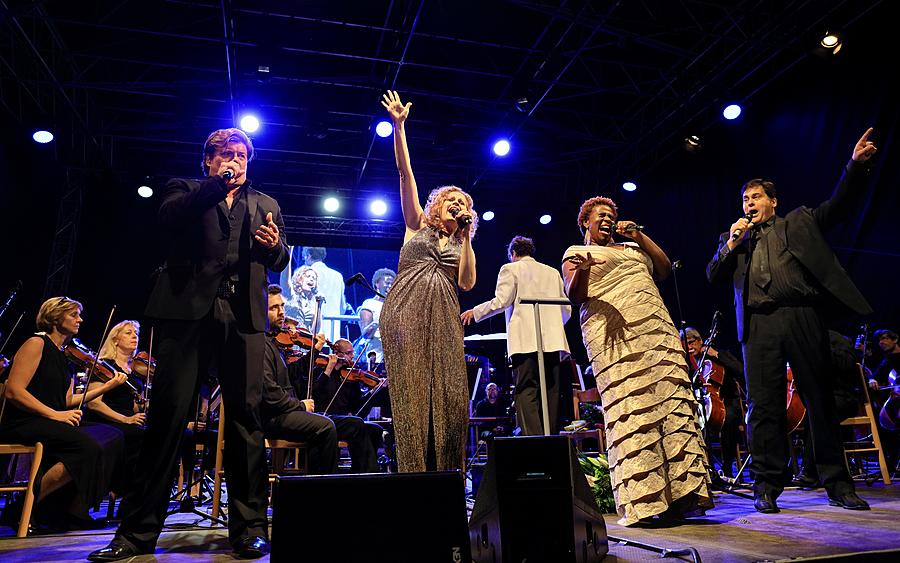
point(373, 517)
point(534, 504)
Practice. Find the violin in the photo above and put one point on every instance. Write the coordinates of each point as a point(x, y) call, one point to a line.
point(143, 364)
point(367, 378)
point(300, 336)
point(83, 357)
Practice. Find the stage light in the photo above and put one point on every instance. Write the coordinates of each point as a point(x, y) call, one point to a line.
point(487, 215)
point(832, 42)
point(629, 186)
point(249, 123)
point(731, 112)
point(545, 219)
point(501, 147)
point(378, 207)
point(692, 144)
point(384, 129)
point(331, 204)
point(145, 191)
point(42, 136)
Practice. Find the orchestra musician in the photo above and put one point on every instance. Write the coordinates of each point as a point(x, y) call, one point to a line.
point(209, 309)
point(727, 391)
point(420, 328)
point(890, 362)
point(524, 275)
point(80, 457)
point(284, 415)
point(785, 277)
point(119, 408)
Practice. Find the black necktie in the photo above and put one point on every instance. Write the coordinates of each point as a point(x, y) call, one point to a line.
point(759, 269)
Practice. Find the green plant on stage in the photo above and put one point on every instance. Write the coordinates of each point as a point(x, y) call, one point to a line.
point(597, 471)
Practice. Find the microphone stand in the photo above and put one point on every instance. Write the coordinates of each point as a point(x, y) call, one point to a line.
point(676, 265)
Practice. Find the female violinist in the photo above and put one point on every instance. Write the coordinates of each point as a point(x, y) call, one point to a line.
point(725, 372)
point(119, 407)
point(79, 457)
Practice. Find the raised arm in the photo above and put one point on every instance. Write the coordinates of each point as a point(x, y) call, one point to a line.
point(413, 215)
point(849, 194)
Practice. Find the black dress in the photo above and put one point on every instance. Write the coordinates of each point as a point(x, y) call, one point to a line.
point(121, 400)
point(89, 452)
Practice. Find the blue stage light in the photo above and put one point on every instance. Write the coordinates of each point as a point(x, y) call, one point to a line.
point(42, 136)
point(331, 204)
point(545, 219)
point(731, 112)
point(487, 215)
point(501, 147)
point(384, 129)
point(629, 186)
point(249, 123)
point(378, 207)
point(145, 191)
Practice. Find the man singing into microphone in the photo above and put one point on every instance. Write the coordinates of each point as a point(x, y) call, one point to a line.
point(785, 276)
point(210, 311)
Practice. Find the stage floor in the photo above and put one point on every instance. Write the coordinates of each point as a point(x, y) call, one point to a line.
point(806, 527)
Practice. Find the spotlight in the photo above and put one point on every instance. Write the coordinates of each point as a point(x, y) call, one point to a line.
point(331, 204)
point(692, 144)
point(384, 129)
point(501, 147)
point(831, 41)
point(522, 104)
point(249, 123)
point(487, 215)
point(145, 191)
point(629, 186)
point(731, 112)
point(545, 219)
point(42, 136)
point(378, 207)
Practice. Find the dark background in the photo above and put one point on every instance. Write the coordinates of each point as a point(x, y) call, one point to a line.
point(801, 119)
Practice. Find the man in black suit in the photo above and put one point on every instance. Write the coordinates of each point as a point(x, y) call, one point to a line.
point(785, 276)
point(209, 302)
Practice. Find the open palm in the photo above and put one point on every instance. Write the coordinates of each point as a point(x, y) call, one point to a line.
point(396, 109)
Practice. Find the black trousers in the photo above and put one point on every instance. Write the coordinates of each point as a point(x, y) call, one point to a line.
point(363, 440)
point(845, 407)
point(316, 430)
point(186, 351)
point(796, 335)
point(528, 392)
point(730, 435)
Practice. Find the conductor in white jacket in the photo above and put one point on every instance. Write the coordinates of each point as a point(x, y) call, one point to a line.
point(526, 277)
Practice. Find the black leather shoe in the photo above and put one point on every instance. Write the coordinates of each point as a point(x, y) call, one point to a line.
point(805, 481)
point(116, 550)
point(765, 503)
point(849, 501)
point(251, 547)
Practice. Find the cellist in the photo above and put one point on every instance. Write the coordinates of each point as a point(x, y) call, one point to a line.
point(728, 390)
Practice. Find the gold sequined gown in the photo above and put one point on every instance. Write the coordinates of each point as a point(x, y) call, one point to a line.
point(656, 453)
point(424, 357)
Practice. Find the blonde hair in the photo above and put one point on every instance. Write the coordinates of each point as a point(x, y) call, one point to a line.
point(588, 207)
point(108, 350)
point(298, 275)
point(436, 199)
point(52, 312)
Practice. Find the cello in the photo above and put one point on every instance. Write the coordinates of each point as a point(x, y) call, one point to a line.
point(796, 411)
point(710, 377)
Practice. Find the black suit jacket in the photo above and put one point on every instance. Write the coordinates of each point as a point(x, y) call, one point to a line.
point(198, 244)
point(801, 232)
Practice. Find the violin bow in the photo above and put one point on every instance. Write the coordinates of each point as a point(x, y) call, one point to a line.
point(372, 395)
point(344, 379)
point(11, 332)
point(90, 373)
point(317, 320)
point(148, 385)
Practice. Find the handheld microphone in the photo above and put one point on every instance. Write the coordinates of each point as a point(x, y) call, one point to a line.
point(228, 175)
point(633, 227)
point(462, 222)
point(738, 232)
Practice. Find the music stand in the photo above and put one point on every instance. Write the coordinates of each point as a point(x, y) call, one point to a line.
point(542, 373)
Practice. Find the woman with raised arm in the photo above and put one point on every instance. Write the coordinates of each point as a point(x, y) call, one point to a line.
point(118, 408)
point(41, 406)
point(420, 327)
point(657, 461)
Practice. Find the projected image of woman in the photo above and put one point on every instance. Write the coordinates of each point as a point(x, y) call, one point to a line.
point(420, 327)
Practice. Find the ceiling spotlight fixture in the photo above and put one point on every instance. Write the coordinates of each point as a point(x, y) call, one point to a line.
point(831, 41)
point(42, 136)
point(692, 144)
point(249, 123)
point(522, 104)
point(487, 215)
point(384, 129)
point(331, 204)
point(501, 147)
point(145, 191)
point(378, 207)
point(731, 112)
point(545, 219)
point(629, 186)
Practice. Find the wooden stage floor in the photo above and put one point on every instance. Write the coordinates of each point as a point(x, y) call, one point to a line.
point(806, 527)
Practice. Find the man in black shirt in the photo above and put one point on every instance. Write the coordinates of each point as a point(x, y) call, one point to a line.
point(785, 276)
point(491, 405)
point(890, 362)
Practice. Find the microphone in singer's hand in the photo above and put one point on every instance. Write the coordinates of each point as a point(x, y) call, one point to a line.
point(462, 221)
point(632, 227)
point(228, 174)
point(738, 232)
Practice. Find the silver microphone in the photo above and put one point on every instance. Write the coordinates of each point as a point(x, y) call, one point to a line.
point(633, 227)
point(738, 232)
point(228, 175)
point(462, 222)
